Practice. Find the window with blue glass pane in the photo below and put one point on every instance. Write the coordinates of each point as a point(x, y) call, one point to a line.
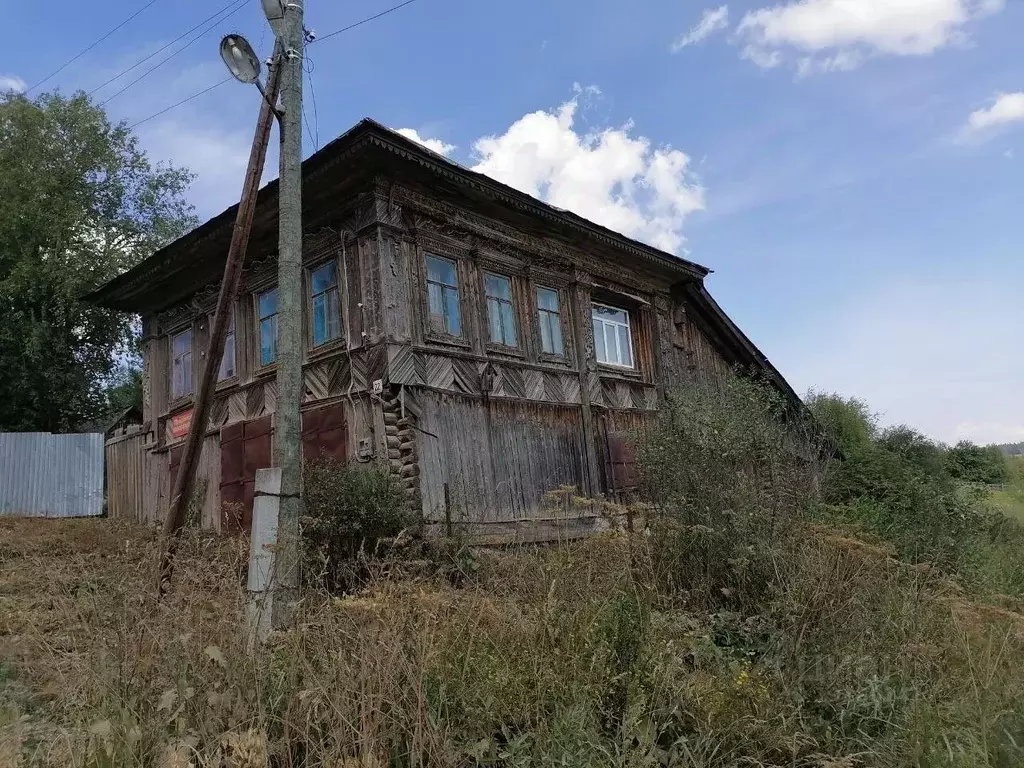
point(181, 364)
point(325, 303)
point(267, 318)
point(500, 311)
point(443, 296)
point(549, 312)
point(227, 362)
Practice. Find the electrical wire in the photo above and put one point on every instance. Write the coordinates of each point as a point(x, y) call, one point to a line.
point(178, 104)
point(142, 61)
point(88, 48)
point(312, 94)
point(319, 39)
point(238, 5)
point(368, 19)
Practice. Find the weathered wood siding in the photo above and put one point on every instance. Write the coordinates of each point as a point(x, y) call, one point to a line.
point(497, 458)
point(125, 476)
point(697, 357)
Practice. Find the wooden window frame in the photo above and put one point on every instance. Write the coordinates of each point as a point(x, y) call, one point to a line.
point(232, 333)
point(260, 365)
point(338, 338)
point(180, 397)
point(553, 356)
point(511, 303)
point(628, 325)
point(432, 333)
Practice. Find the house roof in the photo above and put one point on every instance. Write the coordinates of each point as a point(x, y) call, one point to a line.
point(197, 258)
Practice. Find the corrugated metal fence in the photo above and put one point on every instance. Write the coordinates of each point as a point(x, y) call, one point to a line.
point(46, 475)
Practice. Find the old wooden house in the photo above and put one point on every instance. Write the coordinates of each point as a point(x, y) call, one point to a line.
point(487, 345)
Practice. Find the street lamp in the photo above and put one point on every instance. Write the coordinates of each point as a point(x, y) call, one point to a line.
point(240, 59)
point(243, 64)
point(274, 11)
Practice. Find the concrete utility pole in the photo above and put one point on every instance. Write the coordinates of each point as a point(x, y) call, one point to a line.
point(287, 455)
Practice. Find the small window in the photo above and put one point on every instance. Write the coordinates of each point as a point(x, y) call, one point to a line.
point(501, 313)
point(549, 312)
point(443, 296)
point(227, 362)
point(613, 344)
point(181, 364)
point(267, 314)
point(324, 304)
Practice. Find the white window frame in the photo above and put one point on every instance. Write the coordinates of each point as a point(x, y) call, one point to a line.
point(614, 324)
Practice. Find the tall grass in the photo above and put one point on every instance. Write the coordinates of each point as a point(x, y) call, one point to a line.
point(736, 631)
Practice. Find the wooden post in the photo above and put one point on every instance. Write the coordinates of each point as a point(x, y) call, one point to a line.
point(225, 300)
point(580, 303)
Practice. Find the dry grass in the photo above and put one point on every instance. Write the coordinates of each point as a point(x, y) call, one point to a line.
point(564, 656)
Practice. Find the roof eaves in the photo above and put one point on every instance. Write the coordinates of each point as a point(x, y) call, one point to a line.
point(368, 131)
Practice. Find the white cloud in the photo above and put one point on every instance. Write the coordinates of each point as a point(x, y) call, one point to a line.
point(611, 176)
point(1006, 108)
point(12, 83)
point(435, 145)
point(711, 21)
point(829, 35)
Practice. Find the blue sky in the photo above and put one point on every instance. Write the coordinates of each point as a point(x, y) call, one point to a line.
point(850, 170)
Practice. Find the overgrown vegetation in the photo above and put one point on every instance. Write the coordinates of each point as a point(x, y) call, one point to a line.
point(924, 498)
point(735, 628)
point(347, 510)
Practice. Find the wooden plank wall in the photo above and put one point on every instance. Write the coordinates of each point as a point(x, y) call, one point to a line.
point(125, 477)
point(697, 357)
point(207, 474)
point(496, 457)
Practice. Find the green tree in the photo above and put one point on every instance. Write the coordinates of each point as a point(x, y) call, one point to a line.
point(849, 423)
point(976, 464)
point(79, 203)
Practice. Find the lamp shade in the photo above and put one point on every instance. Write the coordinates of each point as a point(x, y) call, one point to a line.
point(274, 10)
point(240, 58)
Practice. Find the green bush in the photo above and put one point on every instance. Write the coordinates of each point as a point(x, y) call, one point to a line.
point(974, 464)
point(347, 510)
point(730, 470)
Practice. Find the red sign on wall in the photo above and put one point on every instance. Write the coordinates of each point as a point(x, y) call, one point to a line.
point(180, 422)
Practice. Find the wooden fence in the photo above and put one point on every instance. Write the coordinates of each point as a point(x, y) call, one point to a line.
point(126, 464)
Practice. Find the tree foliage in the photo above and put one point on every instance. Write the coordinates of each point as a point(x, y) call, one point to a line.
point(904, 486)
point(79, 203)
point(975, 464)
